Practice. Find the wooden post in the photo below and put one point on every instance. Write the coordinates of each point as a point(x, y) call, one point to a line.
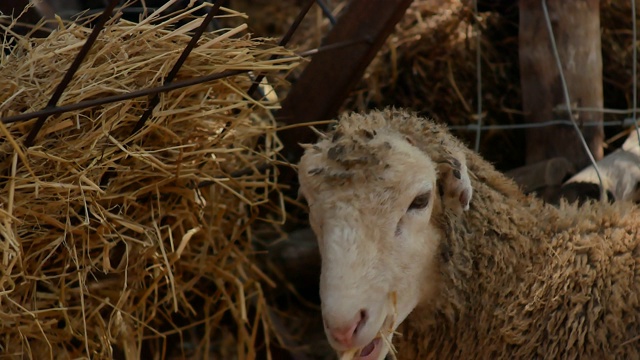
point(576, 28)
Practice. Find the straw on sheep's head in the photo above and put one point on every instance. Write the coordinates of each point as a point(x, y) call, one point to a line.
point(373, 193)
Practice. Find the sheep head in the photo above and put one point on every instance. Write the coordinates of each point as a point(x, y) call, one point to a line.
point(373, 196)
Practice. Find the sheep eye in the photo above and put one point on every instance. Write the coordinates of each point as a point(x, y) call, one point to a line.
point(421, 201)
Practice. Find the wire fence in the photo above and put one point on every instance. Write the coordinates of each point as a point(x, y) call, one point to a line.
point(479, 127)
point(631, 121)
point(627, 122)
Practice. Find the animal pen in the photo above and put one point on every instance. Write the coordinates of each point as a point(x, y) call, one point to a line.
point(148, 205)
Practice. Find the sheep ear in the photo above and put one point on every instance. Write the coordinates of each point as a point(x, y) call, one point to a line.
point(454, 183)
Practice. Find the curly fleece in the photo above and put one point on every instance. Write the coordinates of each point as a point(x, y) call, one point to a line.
point(520, 279)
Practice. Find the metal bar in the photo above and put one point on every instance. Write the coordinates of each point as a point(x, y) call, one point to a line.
point(296, 23)
point(176, 67)
point(326, 11)
point(106, 14)
point(542, 124)
point(121, 97)
point(333, 46)
point(285, 39)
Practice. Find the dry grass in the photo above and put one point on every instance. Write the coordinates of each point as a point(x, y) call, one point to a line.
point(121, 245)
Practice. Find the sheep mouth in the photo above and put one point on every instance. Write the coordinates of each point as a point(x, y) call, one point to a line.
point(370, 352)
point(373, 350)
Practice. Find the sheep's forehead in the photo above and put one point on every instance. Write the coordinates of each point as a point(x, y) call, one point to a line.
point(380, 160)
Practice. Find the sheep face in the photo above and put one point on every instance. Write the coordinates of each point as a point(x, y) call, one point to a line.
point(371, 197)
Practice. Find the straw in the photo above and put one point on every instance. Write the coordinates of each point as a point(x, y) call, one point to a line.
point(117, 245)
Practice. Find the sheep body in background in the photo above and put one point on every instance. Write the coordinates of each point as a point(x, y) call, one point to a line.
point(619, 171)
point(420, 235)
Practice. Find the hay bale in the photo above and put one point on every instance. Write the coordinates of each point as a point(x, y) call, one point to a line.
point(122, 245)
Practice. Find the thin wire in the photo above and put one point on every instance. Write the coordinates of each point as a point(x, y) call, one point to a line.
point(600, 110)
point(635, 66)
point(478, 74)
point(283, 41)
point(333, 46)
point(474, 127)
point(565, 90)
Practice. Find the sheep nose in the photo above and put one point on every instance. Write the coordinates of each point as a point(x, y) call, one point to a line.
point(344, 334)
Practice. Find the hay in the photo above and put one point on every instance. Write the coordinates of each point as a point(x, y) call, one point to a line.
point(111, 244)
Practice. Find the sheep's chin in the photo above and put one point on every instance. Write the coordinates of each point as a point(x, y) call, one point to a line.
point(370, 352)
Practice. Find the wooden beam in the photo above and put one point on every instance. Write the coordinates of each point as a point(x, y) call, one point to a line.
point(327, 80)
point(576, 28)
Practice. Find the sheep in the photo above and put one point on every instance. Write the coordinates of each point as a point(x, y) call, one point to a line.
point(420, 236)
point(619, 171)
